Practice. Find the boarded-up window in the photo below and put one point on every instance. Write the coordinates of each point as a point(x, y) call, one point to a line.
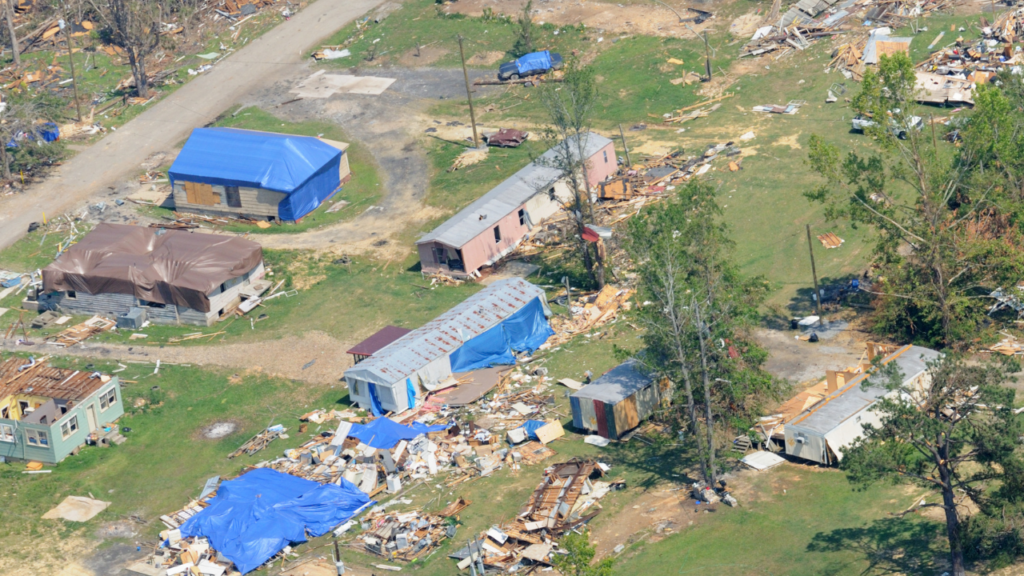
point(199, 193)
point(233, 197)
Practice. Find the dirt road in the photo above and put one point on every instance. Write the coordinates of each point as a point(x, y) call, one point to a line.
point(391, 127)
point(322, 359)
point(274, 55)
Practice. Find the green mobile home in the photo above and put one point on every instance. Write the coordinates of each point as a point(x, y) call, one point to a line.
point(46, 412)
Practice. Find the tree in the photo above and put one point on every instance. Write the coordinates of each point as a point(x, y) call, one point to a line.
point(9, 17)
point(580, 555)
point(942, 244)
point(570, 108)
point(135, 27)
point(699, 306)
point(954, 431)
point(524, 32)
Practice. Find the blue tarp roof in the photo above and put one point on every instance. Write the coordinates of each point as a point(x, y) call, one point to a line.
point(523, 331)
point(232, 157)
point(385, 433)
point(534, 61)
point(257, 514)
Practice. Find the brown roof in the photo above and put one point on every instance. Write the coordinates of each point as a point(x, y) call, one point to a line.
point(382, 338)
point(165, 266)
point(45, 380)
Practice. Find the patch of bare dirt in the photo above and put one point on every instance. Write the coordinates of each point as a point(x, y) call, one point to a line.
point(803, 362)
point(218, 430)
point(650, 517)
point(746, 25)
point(486, 58)
point(791, 141)
point(423, 57)
point(606, 18)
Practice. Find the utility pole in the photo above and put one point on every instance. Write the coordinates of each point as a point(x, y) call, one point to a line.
point(337, 559)
point(707, 57)
point(71, 58)
point(622, 136)
point(469, 93)
point(814, 272)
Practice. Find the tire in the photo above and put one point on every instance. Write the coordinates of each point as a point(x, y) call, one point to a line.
point(513, 77)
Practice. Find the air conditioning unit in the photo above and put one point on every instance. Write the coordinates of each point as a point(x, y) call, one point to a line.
point(133, 319)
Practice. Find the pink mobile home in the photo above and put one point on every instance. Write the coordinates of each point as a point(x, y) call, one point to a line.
point(489, 228)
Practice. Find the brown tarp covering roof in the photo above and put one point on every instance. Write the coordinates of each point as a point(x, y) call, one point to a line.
point(165, 266)
point(382, 338)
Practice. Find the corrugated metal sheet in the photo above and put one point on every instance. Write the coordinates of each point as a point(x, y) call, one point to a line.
point(506, 197)
point(618, 383)
point(441, 336)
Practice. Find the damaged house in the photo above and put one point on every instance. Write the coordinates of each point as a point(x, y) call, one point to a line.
point(492, 226)
point(486, 329)
point(259, 175)
point(835, 421)
point(165, 276)
point(46, 413)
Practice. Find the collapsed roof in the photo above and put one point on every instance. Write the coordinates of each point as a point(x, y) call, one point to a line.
point(163, 266)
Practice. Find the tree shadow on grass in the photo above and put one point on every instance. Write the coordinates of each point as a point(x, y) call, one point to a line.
point(662, 461)
point(890, 545)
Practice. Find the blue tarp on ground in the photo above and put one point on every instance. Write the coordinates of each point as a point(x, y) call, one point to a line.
point(523, 331)
point(257, 514)
point(531, 427)
point(303, 167)
point(385, 433)
point(534, 61)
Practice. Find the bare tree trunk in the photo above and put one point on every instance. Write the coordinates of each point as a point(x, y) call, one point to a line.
point(598, 272)
point(706, 379)
point(138, 65)
point(5, 159)
point(956, 552)
point(9, 16)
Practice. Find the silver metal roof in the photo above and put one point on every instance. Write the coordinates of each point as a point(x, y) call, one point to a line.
point(618, 383)
point(503, 199)
point(853, 397)
point(443, 335)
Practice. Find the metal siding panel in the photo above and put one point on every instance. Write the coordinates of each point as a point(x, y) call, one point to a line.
point(609, 420)
point(577, 417)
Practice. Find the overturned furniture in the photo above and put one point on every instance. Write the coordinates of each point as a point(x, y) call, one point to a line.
point(618, 401)
point(178, 277)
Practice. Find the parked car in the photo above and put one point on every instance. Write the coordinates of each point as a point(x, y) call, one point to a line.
point(530, 65)
point(900, 131)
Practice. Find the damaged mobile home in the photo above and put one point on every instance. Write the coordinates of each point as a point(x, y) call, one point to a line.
point(823, 430)
point(492, 226)
point(258, 175)
point(164, 276)
point(47, 413)
point(484, 330)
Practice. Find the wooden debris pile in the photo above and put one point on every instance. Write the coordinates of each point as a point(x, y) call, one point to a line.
point(1008, 346)
point(588, 312)
point(830, 240)
point(81, 332)
point(407, 536)
point(258, 442)
point(566, 499)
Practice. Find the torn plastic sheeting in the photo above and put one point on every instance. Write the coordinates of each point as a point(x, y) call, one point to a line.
point(385, 433)
point(531, 427)
point(523, 331)
point(257, 514)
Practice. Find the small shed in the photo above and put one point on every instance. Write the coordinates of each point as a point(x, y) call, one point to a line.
point(380, 339)
point(253, 174)
point(617, 402)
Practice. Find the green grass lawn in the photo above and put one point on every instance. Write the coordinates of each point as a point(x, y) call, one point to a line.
point(422, 23)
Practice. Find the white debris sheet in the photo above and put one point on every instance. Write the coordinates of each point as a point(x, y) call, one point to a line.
point(762, 460)
point(321, 85)
point(77, 509)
